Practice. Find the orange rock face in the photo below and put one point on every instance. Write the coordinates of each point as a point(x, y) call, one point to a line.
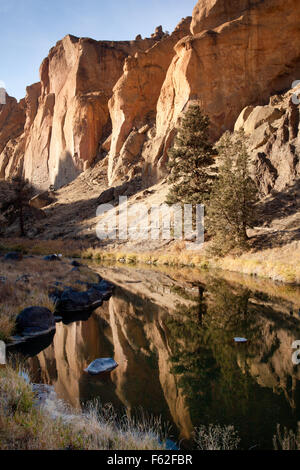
point(134, 100)
point(72, 118)
point(234, 58)
point(64, 118)
point(125, 98)
point(12, 121)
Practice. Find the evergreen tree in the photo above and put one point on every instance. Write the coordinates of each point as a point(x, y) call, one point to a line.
point(15, 207)
point(232, 207)
point(189, 159)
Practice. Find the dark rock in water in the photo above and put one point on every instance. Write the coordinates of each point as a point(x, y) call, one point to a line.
point(34, 321)
point(51, 258)
point(31, 346)
point(75, 264)
point(13, 256)
point(101, 365)
point(72, 301)
point(106, 288)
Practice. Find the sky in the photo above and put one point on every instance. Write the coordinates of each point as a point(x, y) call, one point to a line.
point(29, 28)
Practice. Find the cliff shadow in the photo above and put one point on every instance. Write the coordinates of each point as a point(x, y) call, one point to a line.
point(279, 215)
point(67, 171)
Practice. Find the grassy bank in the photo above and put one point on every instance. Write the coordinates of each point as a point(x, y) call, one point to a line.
point(24, 426)
point(27, 283)
point(278, 264)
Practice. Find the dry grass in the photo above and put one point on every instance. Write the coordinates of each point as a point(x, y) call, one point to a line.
point(216, 437)
point(17, 292)
point(71, 248)
point(286, 439)
point(279, 264)
point(23, 426)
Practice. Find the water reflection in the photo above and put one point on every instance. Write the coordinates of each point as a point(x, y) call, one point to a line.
point(173, 341)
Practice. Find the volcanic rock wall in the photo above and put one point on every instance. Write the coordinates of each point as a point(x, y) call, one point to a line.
point(229, 55)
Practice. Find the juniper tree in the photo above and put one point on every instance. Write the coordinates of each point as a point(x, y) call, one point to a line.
point(189, 158)
point(15, 207)
point(232, 206)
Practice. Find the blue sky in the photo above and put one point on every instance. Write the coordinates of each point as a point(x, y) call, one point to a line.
point(29, 28)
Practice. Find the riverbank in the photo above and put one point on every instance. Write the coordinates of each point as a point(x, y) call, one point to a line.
point(166, 297)
point(280, 264)
point(27, 282)
point(25, 425)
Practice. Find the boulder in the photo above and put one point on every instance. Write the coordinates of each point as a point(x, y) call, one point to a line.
point(239, 125)
point(13, 256)
point(42, 200)
point(107, 196)
point(34, 321)
point(259, 116)
point(101, 365)
point(72, 301)
point(51, 258)
point(75, 263)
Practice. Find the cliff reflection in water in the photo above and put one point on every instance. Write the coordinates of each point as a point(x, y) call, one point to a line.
point(173, 341)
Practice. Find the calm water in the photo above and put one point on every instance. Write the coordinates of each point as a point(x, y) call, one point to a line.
point(172, 335)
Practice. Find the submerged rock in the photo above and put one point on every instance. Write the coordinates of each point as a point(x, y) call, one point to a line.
point(13, 256)
point(99, 366)
point(33, 321)
point(75, 263)
point(52, 258)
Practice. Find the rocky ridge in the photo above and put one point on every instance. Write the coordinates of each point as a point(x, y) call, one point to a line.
point(122, 100)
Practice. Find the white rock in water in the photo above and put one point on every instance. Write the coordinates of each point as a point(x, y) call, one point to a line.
point(240, 340)
point(98, 366)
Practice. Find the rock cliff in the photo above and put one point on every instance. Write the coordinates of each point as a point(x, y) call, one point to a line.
point(122, 100)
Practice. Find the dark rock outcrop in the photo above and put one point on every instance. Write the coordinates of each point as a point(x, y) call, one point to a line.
point(33, 321)
point(71, 301)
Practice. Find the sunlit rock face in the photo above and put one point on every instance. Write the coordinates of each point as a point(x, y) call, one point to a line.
point(230, 58)
point(66, 114)
point(130, 95)
point(233, 58)
point(274, 142)
point(134, 101)
point(12, 122)
point(77, 79)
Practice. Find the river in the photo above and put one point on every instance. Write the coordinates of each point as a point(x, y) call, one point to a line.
point(171, 332)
